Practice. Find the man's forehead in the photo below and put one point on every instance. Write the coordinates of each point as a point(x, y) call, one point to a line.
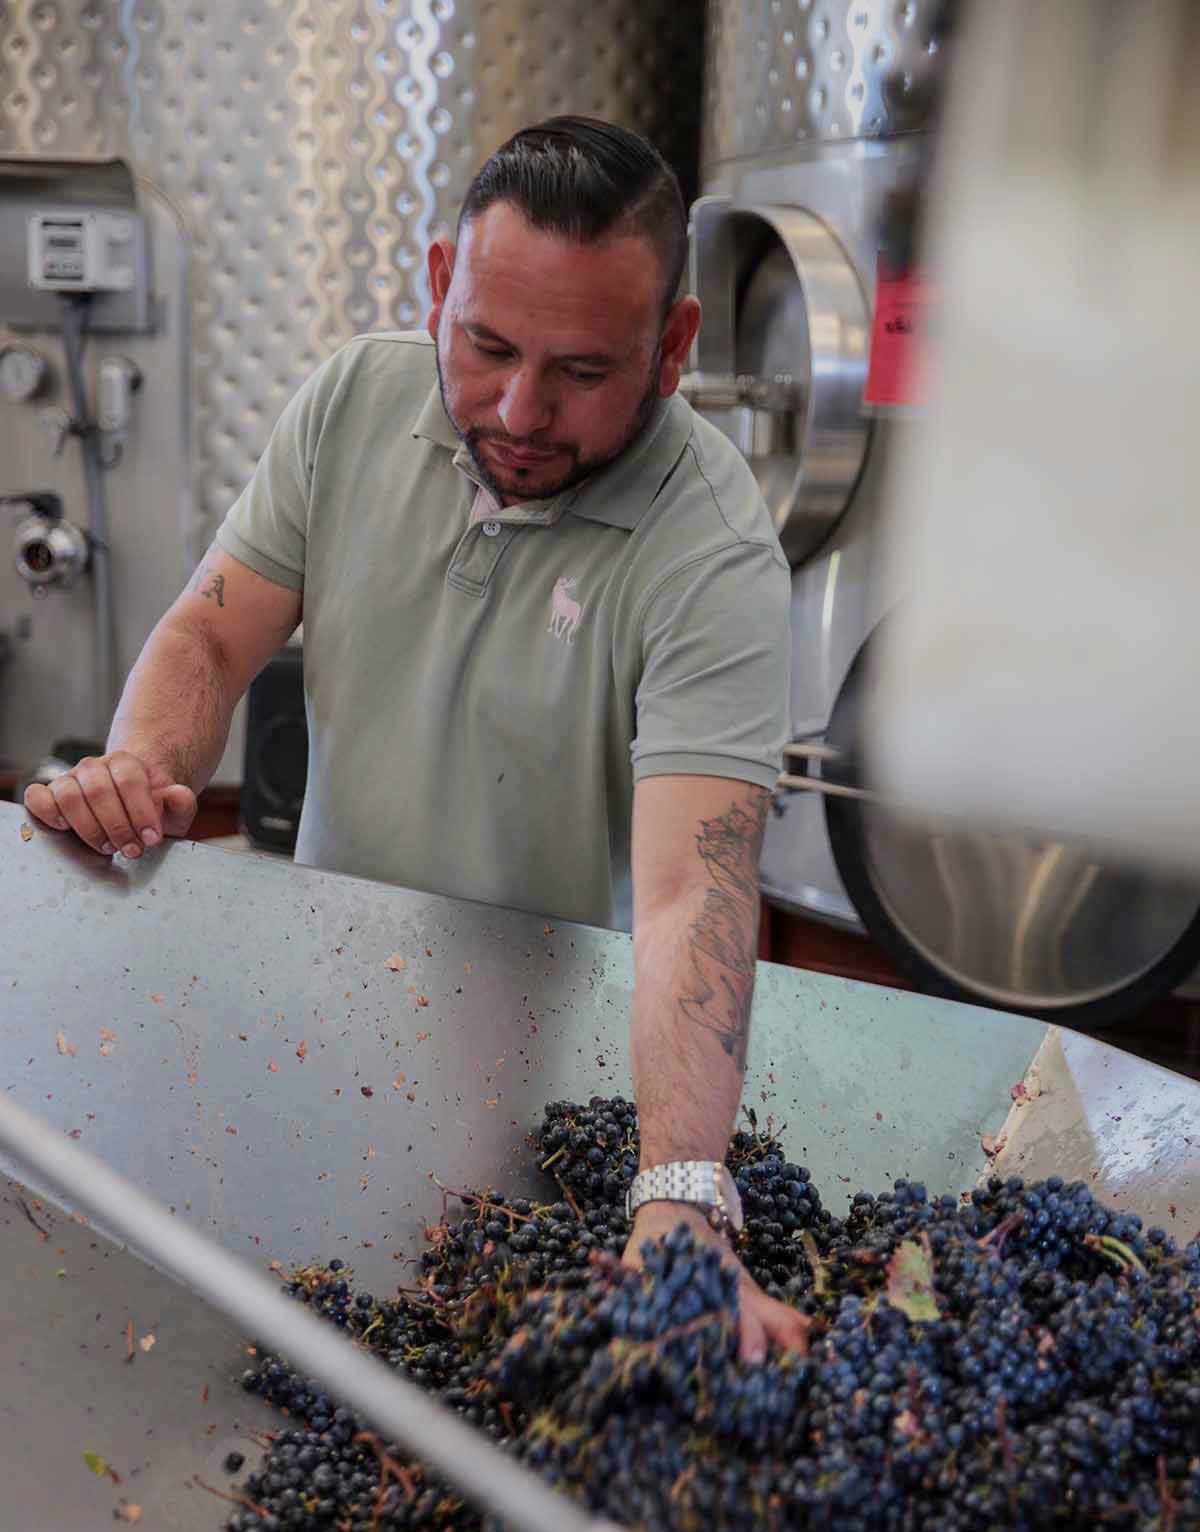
point(503, 260)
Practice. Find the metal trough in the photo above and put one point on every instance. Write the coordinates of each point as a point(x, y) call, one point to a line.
point(287, 1057)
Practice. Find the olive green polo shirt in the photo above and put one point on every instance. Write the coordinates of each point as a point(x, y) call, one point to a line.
point(483, 690)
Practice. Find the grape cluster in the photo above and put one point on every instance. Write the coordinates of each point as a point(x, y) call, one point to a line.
point(1024, 1358)
point(779, 1203)
point(593, 1153)
point(592, 1150)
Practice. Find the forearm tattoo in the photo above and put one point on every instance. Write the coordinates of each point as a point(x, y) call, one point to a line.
point(724, 938)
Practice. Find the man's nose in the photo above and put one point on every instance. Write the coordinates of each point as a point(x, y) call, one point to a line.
point(524, 406)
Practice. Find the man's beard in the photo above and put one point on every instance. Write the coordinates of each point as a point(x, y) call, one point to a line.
point(581, 467)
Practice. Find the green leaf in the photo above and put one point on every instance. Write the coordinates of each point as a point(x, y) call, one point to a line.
point(910, 1281)
point(96, 1463)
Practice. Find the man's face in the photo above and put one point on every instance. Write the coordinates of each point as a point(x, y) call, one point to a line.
point(549, 352)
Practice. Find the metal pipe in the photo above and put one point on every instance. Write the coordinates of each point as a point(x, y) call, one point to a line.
point(805, 750)
point(400, 1410)
point(74, 325)
point(789, 782)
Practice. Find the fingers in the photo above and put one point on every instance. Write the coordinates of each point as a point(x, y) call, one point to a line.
point(107, 801)
point(752, 1345)
point(178, 810)
point(765, 1319)
point(72, 805)
point(39, 801)
point(93, 779)
point(132, 782)
point(786, 1327)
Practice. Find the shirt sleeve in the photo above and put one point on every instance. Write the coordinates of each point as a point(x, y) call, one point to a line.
point(266, 528)
point(714, 696)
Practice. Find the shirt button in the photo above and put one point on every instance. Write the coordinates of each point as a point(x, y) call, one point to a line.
point(491, 529)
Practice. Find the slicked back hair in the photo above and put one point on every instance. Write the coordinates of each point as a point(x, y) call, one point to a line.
point(583, 179)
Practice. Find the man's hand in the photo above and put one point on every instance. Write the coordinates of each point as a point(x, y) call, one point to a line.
point(114, 802)
point(763, 1319)
point(173, 719)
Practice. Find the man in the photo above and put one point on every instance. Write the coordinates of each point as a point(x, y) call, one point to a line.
point(546, 635)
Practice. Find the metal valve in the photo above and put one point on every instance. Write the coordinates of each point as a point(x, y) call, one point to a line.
point(48, 550)
point(757, 414)
point(56, 423)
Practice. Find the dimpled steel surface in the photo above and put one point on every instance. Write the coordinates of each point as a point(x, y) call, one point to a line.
point(785, 72)
point(314, 147)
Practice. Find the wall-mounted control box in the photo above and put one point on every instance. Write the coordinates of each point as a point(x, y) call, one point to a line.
point(84, 250)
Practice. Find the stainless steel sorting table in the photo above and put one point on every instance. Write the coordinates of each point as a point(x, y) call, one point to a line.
point(287, 1057)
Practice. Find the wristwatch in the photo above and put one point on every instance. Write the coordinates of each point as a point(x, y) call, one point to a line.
point(705, 1184)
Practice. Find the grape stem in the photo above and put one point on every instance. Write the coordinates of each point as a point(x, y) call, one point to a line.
point(1167, 1500)
point(1006, 1449)
point(994, 1242)
point(1116, 1250)
point(820, 1276)
point(570, 1200)
point(389, 1469)
point(24, 1206)
point(241, 1500)
point(484, 1204)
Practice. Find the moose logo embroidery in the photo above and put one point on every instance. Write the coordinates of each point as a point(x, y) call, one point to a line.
point(565, 611)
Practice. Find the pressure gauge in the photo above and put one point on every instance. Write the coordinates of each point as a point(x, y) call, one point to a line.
point(22, 372)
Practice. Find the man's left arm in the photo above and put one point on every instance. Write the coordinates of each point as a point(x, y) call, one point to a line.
point(696, 847)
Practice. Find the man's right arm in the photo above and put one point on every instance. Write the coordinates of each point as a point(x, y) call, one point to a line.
point(173, 719)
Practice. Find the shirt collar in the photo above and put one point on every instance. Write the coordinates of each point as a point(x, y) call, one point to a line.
point(433, 423)
point(618, 496)
point(621, 494)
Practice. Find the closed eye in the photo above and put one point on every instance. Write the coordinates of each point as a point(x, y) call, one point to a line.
point(499, 352)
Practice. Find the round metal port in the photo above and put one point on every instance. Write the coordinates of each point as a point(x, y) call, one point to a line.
point(1018, 922)
point(782, 355)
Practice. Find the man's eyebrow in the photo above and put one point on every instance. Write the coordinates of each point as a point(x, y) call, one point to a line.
point(481, 332)
point(584, 358)
point(590, 359)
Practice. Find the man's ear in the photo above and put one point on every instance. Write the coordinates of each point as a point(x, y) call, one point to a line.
point(440, 262)
point(679, 331)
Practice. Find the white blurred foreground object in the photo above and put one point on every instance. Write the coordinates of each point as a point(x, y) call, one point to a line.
point(1043, 664)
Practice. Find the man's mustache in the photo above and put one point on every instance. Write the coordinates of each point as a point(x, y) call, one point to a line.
point(519, 443)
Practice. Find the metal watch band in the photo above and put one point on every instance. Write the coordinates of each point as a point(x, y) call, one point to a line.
point(705, 1183)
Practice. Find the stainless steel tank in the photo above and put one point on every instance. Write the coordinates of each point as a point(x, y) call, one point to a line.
point(304, 154)
point(816, 122)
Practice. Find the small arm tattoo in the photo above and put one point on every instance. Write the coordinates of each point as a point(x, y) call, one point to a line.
point(213, 590)
point(724, 937)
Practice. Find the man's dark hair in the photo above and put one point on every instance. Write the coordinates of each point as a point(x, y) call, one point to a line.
point(581, 178)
